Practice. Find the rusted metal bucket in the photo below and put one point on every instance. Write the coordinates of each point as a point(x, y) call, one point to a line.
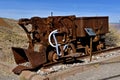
point(36, 59)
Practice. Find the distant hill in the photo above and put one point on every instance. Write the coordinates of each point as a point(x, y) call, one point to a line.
point(115, 25)
point(7, 22)
point(11, 25)
point(4, 23)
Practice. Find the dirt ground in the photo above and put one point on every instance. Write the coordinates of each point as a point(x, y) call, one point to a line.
point(107, 70)
point(6, 72)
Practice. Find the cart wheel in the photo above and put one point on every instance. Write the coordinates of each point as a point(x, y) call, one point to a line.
point(87, 50)
point(52, 56)
point(71, 49)
point(100, 46)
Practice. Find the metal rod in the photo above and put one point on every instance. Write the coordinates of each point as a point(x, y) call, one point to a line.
point(51, 13)
point(91, 49)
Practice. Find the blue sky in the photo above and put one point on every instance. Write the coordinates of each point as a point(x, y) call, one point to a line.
point(28, 8)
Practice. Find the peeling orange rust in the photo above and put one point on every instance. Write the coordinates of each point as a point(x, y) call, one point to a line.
point(71, 36)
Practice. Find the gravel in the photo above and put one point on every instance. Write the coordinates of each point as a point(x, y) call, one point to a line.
point(105, 71)
point(61, 67)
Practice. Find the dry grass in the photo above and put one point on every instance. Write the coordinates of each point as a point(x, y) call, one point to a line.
point(113, 38)
point(10, 37)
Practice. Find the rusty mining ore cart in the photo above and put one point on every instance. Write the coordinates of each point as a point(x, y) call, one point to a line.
point(55, 37)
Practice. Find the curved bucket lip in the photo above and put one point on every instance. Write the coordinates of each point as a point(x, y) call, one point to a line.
point(36, 59)
point(26, 55)
point(19, 55)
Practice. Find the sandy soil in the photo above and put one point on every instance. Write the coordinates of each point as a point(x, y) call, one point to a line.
point(107, 70)
point(6, 72)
